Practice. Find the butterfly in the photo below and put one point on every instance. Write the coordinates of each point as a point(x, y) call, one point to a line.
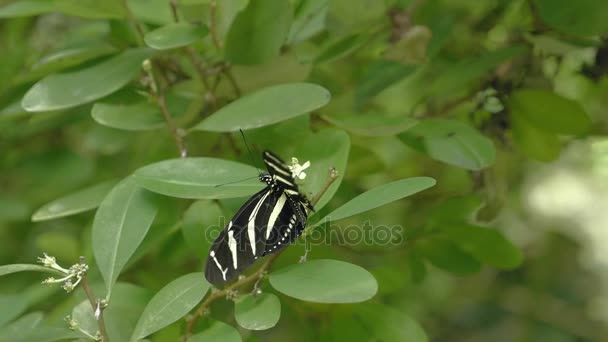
point(269, 221)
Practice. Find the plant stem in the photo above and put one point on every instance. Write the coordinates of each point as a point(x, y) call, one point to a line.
point(138, 28)
point(87, 289)
point(257, 275)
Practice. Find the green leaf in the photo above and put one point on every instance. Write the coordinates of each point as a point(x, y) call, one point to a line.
point(78, 202)
point(26, 8)
point(199, 178)
point(582, 17)
point(67, 58)
point(175, 35)
point(550, 112)
point(157, 12)
point(325, 281)
point(19, 329)
point(379, 76)
point(202, 223)
point(371, 124)
point(451, 142)
point(387, 324)
point(266, 107)
point(12, 306)
point(14, 268)
point(380, 196)
point(43, 333)
point(78, 87)
point(258, 32)
point(171, 303)
point(532, 141)
point(121, 223)
point(325, 149)
point(341, 48)
point(446, 255)
point(218, 331)
point(485, 244)
point(257, 312)
point(309, 20)
point(84, 316)
point(128, 303)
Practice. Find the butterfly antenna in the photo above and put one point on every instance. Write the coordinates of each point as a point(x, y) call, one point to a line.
point(249, 150)
point(242, 180)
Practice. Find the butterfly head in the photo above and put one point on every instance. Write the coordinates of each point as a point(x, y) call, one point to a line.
point(266, 178)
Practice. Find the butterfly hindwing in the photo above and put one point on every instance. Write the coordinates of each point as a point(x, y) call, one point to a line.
point(241, 241)
point(289, 225)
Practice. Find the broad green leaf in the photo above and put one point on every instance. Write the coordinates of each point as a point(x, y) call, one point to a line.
point(371, 125)
point(138, 115)
point(83, 314)
point(380, 196)
point(446, 255)
point(341, 48)
point(12, 306)
point(78, 87)
point(121, 316)
point(387, 324)
point(346, 16)
point(121, 223)
point(171, 303)
point(258, 32)
point(200, 178)
point(582, 17)
point(532, 141)
point(226, 12)
point(550, 112)
point(42, 333)
point(266, 107)
point(485, 244)
point(26, 8)
point(201, 225)
point(451, 142)
point(379, 76)
point(92, 9)
point(325, 149)
point(257, 312)
point(325, 281)
point(19, 329)
point(78, 202)
point(309, 19)
point(14, 268)
point(218, 331)
point(67, 58)
point(175, 35)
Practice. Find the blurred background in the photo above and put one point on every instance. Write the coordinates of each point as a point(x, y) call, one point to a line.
point(390, 65)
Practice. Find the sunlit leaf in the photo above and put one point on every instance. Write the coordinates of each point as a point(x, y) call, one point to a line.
point(218, 331)
point(199, 178)
point(325, 281)
point(257, 312)
point(451, 142)
point(267, 106)
point(171, 303)
point(380, 196)
point(175, 35)
point(121, 223)
point(78, 87)
point(80, 201)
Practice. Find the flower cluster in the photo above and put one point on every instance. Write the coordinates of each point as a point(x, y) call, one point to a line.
point(72, 277)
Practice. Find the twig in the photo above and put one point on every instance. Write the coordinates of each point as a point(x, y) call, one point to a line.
point(228, 72)
point(94, 305)
point(253, 278)
point(173, 5)
point(159, 97)
point(212, 24)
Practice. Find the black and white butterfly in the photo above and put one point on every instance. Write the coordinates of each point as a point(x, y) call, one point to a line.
point(270, 220)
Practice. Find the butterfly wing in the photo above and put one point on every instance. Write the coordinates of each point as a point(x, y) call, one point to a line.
point(289, 225)
point(242, 240)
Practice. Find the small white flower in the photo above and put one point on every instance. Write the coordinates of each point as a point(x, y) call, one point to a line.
point(98, 310)
point(297, 170)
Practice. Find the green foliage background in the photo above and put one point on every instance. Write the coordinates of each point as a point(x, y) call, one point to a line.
point(490, 114)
